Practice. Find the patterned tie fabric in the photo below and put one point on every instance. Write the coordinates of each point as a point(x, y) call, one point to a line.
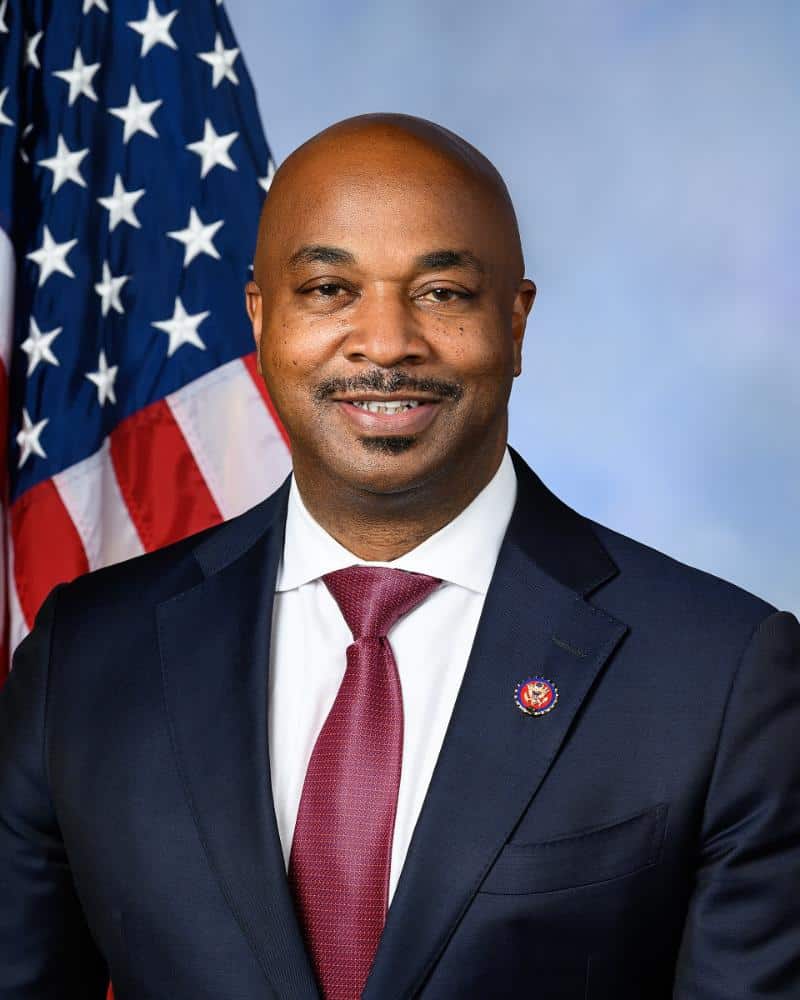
point(341, 850)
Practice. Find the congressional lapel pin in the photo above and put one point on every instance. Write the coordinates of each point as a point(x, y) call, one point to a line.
point(536, 696)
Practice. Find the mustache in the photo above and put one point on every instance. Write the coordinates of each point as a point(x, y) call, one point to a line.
point(381, 381)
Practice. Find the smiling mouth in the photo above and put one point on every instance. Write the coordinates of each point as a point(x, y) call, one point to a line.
point(395, 406)
point(385, 415)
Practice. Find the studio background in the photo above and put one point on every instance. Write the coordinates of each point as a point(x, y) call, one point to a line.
point(652, 154)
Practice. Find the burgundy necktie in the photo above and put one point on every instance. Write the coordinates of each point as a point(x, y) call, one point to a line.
point(341, 851)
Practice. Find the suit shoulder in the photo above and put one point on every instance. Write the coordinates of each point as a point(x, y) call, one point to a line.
point(649, 576)
point(155, 576)
point(139, 574)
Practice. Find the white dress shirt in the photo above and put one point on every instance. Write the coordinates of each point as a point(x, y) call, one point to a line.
point(431, 645)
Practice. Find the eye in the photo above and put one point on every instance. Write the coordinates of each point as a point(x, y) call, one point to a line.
point(444, 295)
point(326, 294)
point(328, 291)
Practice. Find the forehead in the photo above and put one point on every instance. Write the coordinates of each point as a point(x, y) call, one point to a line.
point(394, 204)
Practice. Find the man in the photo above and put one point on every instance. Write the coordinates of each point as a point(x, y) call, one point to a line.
point(411, 679)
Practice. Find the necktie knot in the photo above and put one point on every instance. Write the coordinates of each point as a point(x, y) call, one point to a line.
point(373, 598)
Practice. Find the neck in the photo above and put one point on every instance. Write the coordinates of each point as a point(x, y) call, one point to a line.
point(380, 527)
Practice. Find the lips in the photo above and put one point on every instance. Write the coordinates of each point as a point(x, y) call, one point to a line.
point(408, 421)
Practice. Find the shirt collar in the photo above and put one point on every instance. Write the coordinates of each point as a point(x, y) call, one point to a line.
point(463, 552)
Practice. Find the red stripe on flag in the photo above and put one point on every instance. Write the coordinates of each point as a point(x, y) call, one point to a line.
point(160, 482)
point(251, 364)
point(4, 605)
point(47, 547)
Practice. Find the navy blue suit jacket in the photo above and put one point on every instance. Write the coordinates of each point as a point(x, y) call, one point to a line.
point(642, 840)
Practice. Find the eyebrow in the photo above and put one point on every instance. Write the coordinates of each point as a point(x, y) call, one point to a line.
point(437, 260)
point(316, 253)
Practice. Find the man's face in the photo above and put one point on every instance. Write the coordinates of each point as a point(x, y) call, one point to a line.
point(387, 285)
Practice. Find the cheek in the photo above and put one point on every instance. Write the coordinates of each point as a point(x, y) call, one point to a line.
point(476, 350)
point(288, 350)
point(295, 359)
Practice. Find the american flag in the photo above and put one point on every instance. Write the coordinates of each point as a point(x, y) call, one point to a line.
point(133, 166)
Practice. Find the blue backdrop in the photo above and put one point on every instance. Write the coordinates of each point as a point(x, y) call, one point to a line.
point(652, 153)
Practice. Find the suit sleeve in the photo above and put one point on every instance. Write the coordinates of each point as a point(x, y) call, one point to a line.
point(742, 935)
point(46, 950)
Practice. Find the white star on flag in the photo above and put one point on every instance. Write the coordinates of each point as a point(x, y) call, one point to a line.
point(52, 257)
point(28, 439)
point(79, 78)
point(88, 4)
point(31, 44)
point(4, 119)
point(109, 288)
point(197, 237)
point(104, 378)
point(3, 25)
point(182, 328)
point(154, 29)
point(23, 153)
point(37, 346)
point(120, 204)
point(136, 114)
point(65, 165)
point(221, 61)
point(213, 149)
point(266, 181)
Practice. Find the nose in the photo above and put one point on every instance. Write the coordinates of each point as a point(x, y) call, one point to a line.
point(385, 332)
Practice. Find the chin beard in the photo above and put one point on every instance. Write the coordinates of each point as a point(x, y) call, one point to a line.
point(393, 445)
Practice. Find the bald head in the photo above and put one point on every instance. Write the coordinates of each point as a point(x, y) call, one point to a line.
point(386, 151)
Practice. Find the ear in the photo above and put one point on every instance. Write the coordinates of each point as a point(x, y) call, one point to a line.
point(523, 303)
point(254, 304)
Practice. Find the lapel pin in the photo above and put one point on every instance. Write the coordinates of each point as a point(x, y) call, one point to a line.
point(535, 696)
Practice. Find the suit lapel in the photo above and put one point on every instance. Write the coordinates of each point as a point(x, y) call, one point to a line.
point(494, 757)
point(215, 641)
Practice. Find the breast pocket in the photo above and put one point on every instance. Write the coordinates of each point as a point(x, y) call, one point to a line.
point(585, 858)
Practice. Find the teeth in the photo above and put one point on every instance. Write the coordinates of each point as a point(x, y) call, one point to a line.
point(394, 407)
